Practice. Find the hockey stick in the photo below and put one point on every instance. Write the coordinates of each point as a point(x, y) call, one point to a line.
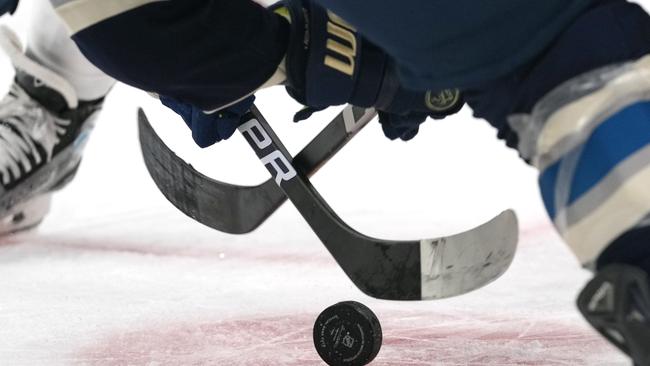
point(392, 270)
point(231, 208)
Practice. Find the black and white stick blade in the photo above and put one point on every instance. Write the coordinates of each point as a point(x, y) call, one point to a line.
point(389, 269)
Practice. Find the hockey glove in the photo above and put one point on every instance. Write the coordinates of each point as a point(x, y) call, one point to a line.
point(208, 129)
point(329, 63)
point(8, 6)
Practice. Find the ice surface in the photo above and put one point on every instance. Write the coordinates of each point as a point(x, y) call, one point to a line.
point(116, 276)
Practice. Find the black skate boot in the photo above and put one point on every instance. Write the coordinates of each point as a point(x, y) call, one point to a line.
point(43, 129)
point(617, 303)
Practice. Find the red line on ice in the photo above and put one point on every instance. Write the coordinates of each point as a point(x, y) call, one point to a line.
point(410, 338)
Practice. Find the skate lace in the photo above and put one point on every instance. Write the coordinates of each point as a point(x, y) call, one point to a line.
point(24, 126)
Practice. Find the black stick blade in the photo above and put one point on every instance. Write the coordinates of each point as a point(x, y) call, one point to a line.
point(237, 209)
point(226, 207)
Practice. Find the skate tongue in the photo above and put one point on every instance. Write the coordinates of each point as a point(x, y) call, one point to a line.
point(42, 77)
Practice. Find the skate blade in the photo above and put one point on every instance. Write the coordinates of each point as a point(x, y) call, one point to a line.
point(25, 216)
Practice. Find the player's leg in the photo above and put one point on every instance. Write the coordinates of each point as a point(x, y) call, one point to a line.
point(49, 43)
point(44, 119)
point(205, 52)
point(581, 114)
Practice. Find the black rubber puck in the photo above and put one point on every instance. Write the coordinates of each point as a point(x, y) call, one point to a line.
point(347, 334)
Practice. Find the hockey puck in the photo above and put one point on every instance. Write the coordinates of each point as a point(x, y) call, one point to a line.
point(347, 334)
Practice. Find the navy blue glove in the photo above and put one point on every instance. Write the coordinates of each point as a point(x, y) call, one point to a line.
point(404, 123)
point(8, 6)
point(208, 129)
point(329, 63)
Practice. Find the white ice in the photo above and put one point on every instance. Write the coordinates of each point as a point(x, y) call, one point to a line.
point(117, 276)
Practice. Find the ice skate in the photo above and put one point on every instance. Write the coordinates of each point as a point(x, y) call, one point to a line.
point(617, 303)
point(43, 129)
